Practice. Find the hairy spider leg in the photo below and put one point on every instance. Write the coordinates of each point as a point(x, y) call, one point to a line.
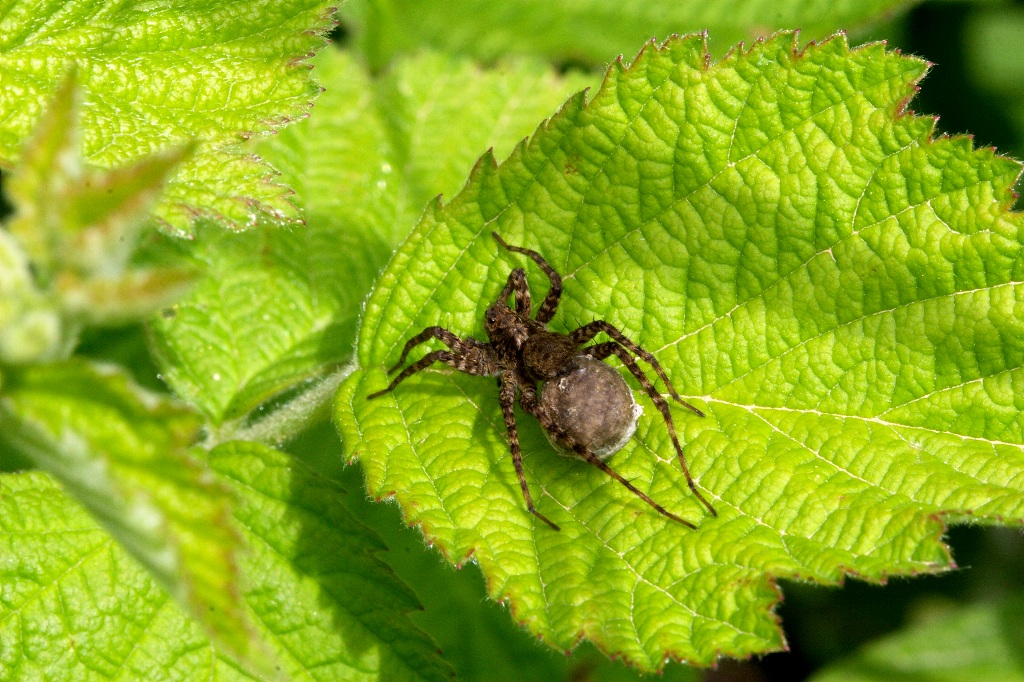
point(528, 399)
point(471, 359)
point(550, 305)
point(590, 330)
point(507, 397)
point(603, 350)
point(435, 332)
point(516, 284)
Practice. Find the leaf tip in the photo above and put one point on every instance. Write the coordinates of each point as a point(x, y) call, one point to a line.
point(484, 167)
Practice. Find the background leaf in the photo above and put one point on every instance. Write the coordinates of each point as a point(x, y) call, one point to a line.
point(326, 607)
point(837, 289)
point(31, 327)
point(982, 642)
point(994, 69)
point(80, 227)
point(160, 76)
point(362, 166)
point(593, 31)
point(120, 451)
point(67, 251)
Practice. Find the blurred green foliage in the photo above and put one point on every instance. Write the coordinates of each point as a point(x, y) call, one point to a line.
point(976, 86)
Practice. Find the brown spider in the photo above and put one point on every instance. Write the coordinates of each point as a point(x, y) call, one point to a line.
point(584, 406)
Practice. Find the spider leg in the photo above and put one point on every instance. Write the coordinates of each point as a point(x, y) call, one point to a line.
point(516, 284)
point(621, 351)
point(593, 459)
point(472, 359)
point(435, 332)
point(531, 405)
point(603, 350)
point(550, 304)
point(589, 331)
point(507, 397)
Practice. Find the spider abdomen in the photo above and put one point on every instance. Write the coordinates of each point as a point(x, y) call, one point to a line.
point(592, 404)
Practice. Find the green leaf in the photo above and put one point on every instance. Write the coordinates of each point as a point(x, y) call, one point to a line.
point(66, 255)
point(980, 642)
point(120, 451)
point(345, 608)
point(31, 325)
point(996, 68)
point(161, 76)
point(839, 292)
point(363, 165)
point(327, 607)
point(476, 635)
point(593, 31)
point(987, 36)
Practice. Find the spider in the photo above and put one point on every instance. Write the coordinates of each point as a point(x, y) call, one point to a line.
point(584, 406)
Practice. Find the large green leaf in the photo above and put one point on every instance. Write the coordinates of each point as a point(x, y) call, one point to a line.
point(363, 165)
point(837, 290)
point(593, 31)
point(327, 608)
point(156, 76)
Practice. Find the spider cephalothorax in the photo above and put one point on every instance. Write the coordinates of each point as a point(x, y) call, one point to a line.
point(584, 405)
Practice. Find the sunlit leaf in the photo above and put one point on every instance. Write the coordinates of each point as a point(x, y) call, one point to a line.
point(66, 252)
point(158, 75)
point(839, 291)
point(325, 606)
point(120, 451)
